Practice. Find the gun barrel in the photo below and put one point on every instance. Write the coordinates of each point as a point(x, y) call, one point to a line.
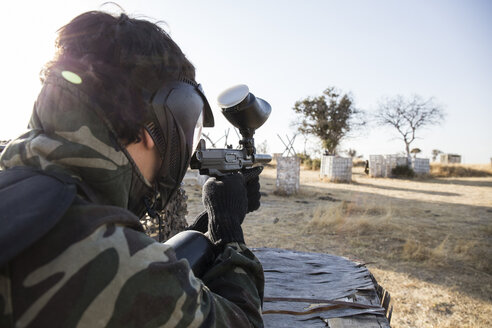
point(262, 158)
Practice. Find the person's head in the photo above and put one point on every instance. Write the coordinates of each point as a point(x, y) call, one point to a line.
point(126, 57)
point(145, 87)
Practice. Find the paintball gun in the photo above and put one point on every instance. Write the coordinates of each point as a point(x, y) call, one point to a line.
point(247, 113)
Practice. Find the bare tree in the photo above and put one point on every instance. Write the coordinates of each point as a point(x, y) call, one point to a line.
point(409, 115)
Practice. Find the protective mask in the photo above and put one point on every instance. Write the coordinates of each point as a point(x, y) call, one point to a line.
point(177, 112)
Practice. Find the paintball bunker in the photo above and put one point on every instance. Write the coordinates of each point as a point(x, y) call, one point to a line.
point(421, 165)
point(381, 165)
point(450, 159)
point(288, 175)
point(336, 168)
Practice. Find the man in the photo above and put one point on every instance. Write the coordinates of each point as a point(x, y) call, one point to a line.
point(110, 138)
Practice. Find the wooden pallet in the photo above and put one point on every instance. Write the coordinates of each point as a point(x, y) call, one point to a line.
point(320, 290)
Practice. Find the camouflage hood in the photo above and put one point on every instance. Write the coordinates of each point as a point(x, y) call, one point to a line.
point(67, 135)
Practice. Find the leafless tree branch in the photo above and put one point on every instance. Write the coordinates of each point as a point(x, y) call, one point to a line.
point(408, 115)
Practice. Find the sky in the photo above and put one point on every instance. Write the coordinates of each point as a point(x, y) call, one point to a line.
point(289, 50)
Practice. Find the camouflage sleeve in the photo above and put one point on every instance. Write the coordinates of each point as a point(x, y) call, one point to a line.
point(119, 277)
point(229, 296)
point(237, 276)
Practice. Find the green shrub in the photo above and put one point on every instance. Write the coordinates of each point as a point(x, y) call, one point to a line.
point(308, 163)
point(402, 171)
point(304, 158)
point(315, 164)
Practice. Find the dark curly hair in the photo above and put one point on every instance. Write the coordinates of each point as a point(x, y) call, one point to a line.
point(124, 58)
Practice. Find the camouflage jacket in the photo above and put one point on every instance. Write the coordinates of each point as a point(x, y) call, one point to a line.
point(95, 267)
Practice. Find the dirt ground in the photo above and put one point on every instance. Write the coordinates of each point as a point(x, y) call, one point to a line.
point(427, 241)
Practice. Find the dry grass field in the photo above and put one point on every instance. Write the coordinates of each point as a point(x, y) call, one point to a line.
point(427, 241)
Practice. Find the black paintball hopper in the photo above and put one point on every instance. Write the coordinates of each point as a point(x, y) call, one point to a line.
point(242, 109)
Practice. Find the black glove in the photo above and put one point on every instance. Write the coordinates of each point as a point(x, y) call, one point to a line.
point(226, 203)
point(252, 178)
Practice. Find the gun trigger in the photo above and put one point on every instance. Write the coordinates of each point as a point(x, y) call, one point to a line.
point(201, 145)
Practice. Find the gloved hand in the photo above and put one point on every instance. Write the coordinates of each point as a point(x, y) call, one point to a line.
point(226, 203)
point(251, 177)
